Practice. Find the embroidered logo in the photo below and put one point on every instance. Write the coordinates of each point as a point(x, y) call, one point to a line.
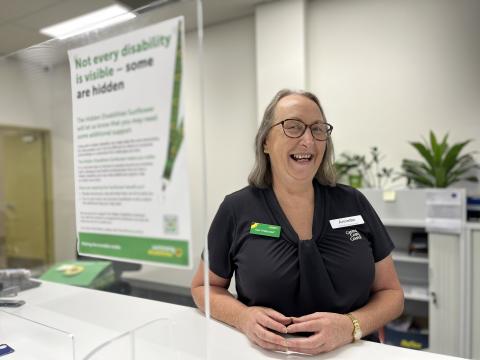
point(354, 235)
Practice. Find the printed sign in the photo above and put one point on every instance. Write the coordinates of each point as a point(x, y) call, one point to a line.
point(131, 183)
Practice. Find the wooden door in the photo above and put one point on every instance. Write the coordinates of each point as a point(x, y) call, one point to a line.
point(25, 208)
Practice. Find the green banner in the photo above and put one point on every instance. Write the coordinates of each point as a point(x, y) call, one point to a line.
point(131, 247)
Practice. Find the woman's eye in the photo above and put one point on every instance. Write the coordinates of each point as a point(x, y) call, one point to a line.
point(293, 127)
point(319, 129)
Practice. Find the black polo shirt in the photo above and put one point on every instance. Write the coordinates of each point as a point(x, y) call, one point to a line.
point(333, 271)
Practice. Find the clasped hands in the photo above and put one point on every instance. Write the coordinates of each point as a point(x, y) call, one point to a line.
point(262, 325)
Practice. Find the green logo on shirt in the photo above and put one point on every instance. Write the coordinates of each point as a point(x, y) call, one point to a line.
point(265, 230)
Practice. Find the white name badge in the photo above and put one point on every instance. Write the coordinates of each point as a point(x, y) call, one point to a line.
point(346, 221)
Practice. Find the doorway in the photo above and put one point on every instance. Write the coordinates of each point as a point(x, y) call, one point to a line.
point(26, 236)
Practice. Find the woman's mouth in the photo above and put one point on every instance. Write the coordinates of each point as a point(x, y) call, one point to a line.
point(304, 157)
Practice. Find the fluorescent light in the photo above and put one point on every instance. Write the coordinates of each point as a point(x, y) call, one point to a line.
point(95, 20)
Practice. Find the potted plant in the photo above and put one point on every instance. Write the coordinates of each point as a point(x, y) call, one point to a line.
point(363, 172)
point(442, 164)
point(349, 169)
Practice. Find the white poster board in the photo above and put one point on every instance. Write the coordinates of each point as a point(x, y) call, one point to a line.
point(131, 182)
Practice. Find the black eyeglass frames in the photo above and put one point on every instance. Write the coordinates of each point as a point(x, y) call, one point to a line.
point(295, 128)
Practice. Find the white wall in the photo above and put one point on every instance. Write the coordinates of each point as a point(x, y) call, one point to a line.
point(24, 98)
point(230, 107)
point(280, 49)
point(62, 164)
point(389, 71)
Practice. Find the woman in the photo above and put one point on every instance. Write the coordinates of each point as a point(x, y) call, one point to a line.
point(309, 256)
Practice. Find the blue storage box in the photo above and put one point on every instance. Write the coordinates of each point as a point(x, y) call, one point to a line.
point(408, 333)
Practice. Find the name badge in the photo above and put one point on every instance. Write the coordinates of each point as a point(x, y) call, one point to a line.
point(265, 230)
point(347, 221)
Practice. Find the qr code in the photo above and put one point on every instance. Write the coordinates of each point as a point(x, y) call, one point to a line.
point(170, 224)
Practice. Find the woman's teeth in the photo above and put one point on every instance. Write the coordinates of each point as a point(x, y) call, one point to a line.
point(298, 157)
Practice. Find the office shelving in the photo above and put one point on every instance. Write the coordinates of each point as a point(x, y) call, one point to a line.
point(403, 256)
point(415, 292)
point(431, 283)
point(473, 289)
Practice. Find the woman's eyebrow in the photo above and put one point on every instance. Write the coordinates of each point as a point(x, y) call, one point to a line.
point(300, 119)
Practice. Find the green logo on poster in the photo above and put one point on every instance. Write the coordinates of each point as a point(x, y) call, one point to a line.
point(165, 251)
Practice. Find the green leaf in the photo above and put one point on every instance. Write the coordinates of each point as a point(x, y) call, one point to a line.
point(437, 149)
point(422, 181)
point(471, 178)
point(444, 145)
point(440, 177)
point(465, 163)
point(453, 176)
point(444, 140)
point(452, 155)
point(422, 149)
point(433, 140)
point(414, 171)
point(468, 178)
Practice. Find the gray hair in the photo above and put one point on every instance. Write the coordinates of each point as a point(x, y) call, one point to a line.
point(261, 174)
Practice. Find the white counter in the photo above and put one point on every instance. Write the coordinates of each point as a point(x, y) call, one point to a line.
point(94, 317)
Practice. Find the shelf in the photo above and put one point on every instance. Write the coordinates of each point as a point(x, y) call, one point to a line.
point(404, 257)
point(415, 292)
point(415, 223)
point(403, 218)
point(473, 225)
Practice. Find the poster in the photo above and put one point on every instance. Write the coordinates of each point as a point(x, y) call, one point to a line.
point(131, 183)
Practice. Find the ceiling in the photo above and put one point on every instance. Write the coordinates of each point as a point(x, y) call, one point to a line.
point(20, 20)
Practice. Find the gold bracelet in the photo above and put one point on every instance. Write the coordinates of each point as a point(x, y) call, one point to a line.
point(357, 331)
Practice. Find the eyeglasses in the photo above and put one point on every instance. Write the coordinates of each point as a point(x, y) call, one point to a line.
point(294, 128)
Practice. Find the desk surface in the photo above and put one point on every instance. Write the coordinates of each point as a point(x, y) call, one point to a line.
point(94, 317)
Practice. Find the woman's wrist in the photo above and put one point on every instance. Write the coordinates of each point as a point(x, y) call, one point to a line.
point(348, 329)
point(354, 327)
point(240, 318)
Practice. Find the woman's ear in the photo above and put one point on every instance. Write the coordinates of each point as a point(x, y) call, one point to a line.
point(265, 150)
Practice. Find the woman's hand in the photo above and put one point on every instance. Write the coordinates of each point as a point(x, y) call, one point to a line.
point(330, 330)
point(257, 322)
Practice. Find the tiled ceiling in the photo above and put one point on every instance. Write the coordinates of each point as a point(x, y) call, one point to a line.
point(20, 20)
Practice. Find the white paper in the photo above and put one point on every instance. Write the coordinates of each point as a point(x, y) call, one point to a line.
point(445, 210)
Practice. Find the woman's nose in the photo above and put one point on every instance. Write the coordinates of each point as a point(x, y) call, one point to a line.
point(307, 136)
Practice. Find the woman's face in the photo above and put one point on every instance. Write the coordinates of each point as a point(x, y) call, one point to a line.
point(294, 160)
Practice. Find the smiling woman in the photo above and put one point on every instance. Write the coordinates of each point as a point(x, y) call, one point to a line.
point(324, 268)
point(261, 175)
point(294, 153)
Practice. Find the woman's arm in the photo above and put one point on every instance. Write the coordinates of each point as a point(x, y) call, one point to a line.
point(386, 302)
point(223, 305)
point(255, 322)
point(333, 330)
